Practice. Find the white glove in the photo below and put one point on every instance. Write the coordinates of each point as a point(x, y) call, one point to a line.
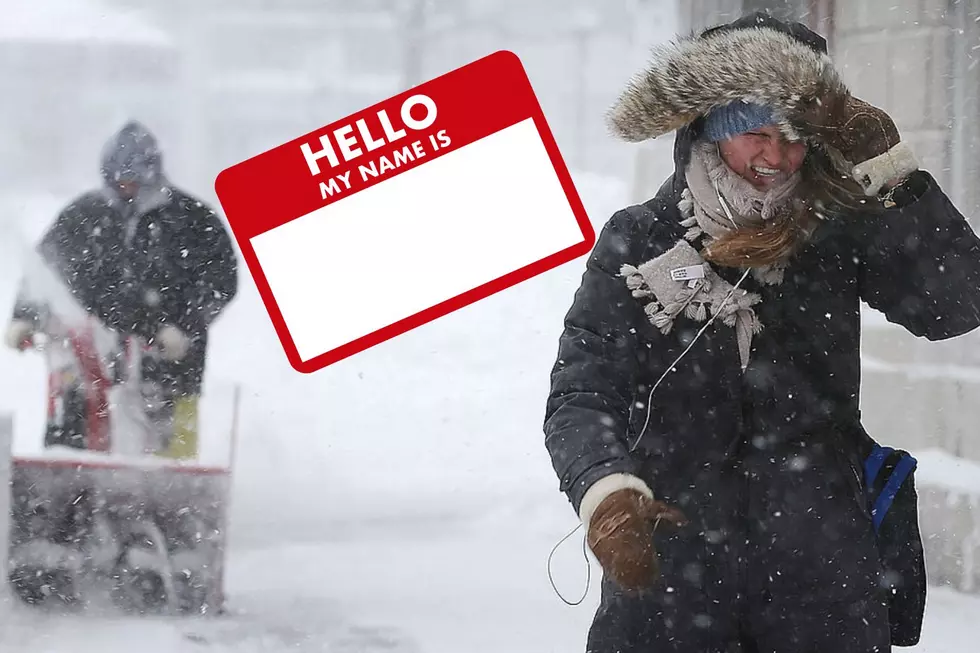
point(17, 332)
point(172, 342)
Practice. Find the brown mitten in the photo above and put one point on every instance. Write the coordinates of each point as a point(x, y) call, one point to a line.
point(621, 536)
point(856, 129)
point(863, 135)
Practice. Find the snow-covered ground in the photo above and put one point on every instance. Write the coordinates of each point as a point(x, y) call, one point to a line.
point(400, 500)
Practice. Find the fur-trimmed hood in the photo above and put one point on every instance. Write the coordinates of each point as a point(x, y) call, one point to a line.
point(756, 58)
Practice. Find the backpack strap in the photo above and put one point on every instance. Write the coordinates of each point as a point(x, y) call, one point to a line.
point(873, 464)
point(903, 468)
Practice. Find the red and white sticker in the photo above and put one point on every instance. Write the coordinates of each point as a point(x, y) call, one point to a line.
point(406, 211)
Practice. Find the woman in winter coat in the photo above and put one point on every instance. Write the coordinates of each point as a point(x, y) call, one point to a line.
point(704, 416)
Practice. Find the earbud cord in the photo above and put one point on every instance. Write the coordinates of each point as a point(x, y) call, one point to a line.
point(646, 423)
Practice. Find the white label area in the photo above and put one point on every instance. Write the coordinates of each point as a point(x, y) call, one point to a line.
point(417, 239)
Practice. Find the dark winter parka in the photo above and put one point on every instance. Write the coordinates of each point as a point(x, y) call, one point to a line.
point(765, 462)
point(161, 258)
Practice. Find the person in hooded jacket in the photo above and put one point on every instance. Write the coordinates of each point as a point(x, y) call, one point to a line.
point(148, 260)
point(703, 417)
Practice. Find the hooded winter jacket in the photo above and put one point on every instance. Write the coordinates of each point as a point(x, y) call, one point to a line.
point(766, 463)
point(162, 257)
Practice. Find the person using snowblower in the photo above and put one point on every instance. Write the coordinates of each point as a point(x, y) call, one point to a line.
point(150, 262)
point(703, 418)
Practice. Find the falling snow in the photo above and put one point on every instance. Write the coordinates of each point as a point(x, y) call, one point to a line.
point(401, 500)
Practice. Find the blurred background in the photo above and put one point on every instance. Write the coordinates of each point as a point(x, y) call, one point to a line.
point(402, 499)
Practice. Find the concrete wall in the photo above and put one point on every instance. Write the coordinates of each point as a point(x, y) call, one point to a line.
point(896, 54)
point(918, 58)
point(696, 15)
point(921, 394)
point(949, 519)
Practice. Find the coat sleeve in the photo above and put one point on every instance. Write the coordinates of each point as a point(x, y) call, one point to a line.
point(66, 248)
point(593, 379)
point(207, 270)
point(920, 262)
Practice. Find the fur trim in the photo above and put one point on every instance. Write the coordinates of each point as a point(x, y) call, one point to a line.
point(692, 75)
point(605, 486)
point(894, 164)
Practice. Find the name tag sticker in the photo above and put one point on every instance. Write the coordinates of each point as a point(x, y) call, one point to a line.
point(399, 214)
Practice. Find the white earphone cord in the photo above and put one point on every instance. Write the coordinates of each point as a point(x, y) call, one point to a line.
point(728, 213)
point(683, 353)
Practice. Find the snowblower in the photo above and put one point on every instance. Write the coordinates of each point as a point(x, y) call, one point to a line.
point(105, 513)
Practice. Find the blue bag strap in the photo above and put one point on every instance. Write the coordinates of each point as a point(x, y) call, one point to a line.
point(884, 502)
point(873, 464)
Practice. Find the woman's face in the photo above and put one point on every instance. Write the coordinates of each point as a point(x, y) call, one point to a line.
point(763, 156)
